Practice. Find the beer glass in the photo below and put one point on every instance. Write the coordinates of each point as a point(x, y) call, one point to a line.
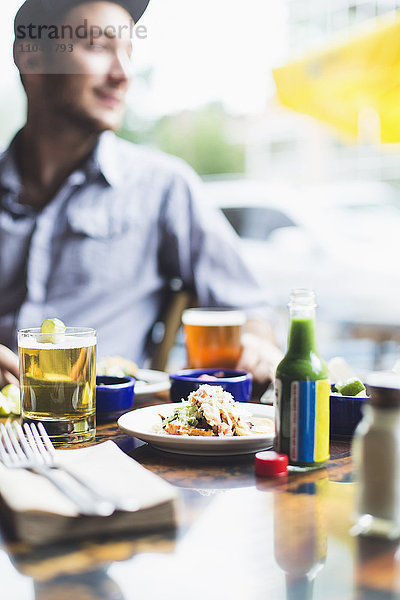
point(213, 337)
point(58, 382)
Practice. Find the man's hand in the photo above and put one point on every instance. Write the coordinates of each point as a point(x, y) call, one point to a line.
point(9, 367)
point(260, 355)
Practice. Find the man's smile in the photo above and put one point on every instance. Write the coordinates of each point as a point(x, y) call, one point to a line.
point(110, 99)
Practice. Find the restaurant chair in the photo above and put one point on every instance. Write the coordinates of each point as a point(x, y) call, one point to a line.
point(166, 329)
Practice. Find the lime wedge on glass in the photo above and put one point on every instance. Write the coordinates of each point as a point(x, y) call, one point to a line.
point(53, 331)
point(351, 387)
point(11, 393)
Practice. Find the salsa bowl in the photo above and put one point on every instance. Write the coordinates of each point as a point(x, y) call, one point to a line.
point(114, 396)
point(345, 414)
point(238, 383)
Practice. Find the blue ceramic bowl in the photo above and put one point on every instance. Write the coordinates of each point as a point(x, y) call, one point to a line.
point(238, 383)
point(114, 396)
point(345, 414)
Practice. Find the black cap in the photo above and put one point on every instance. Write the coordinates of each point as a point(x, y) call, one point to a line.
point(43, 11)
point(384, 389)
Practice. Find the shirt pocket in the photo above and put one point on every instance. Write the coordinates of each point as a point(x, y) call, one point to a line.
point(96, 249)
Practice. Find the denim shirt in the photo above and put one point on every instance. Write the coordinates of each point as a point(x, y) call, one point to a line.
point(102, 253)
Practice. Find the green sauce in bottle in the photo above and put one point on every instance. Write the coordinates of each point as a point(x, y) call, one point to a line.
point(302, 390)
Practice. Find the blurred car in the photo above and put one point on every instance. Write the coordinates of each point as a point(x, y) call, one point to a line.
point(340, 239)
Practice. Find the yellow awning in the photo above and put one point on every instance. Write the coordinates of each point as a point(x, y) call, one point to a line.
point(354, 86)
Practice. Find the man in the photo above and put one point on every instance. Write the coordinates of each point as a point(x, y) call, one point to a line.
point(92, 228)
point(9, 371)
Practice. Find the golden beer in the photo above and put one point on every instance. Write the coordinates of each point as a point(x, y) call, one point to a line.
point(213, 337)
point(58, 383)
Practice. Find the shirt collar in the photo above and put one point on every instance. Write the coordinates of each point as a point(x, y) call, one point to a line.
point(9, 175)
point(106, 159)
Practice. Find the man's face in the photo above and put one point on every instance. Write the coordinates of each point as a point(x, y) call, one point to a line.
point(90, 82)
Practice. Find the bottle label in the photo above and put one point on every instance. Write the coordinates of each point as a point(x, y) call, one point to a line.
point(302, 413)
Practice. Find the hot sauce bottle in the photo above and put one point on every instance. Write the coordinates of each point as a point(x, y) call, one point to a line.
point(302, 390)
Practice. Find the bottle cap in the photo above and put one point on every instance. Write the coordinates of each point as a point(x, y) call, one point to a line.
point(271, 464)
point(384, 389)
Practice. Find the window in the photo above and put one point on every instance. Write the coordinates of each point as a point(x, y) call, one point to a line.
point(256, 223)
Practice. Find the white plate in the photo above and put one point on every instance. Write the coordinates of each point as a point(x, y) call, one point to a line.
point(141, 422)
point(154, 381)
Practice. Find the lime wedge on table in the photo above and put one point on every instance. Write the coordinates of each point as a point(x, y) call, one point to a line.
point(11, 393)
point(52, 331)
point(351, 387)
point(5, 406)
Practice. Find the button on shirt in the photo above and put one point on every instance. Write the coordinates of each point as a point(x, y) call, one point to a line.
point(102, 252)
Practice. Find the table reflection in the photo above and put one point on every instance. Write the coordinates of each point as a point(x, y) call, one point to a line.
point(377, 567)
point(93, 585)
point(300, 542)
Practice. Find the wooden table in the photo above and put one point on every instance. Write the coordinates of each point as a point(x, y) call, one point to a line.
point(239, 536)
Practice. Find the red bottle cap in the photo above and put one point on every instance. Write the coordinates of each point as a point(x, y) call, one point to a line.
point(271, 464)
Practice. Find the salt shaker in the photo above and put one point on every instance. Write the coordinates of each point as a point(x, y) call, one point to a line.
point(376, 456)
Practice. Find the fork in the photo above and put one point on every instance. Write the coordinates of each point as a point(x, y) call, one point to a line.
point(49, 455)
point(24, 448)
